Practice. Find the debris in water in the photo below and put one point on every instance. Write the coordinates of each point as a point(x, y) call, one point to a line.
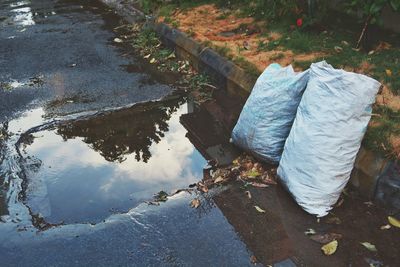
point(195, 203)
point(36, 80)
point(253, 259)
point(161, 196)
point(118, 40)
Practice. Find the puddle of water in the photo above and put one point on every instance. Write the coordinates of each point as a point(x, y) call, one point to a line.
point(84, 170)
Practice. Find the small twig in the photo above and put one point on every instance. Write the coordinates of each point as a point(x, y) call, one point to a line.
point(209, 85)
point(363, 31)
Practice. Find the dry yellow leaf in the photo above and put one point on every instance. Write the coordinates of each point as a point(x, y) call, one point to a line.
point(393, 221)
point(330, 248)
point(388, 72)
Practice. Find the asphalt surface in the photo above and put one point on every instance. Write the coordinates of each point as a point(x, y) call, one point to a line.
point(58, 61)
point(69, 48)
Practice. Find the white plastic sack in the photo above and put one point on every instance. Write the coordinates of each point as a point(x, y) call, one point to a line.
point(320, 151)
point(268, 114)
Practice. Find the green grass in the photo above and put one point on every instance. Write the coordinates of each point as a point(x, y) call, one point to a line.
point(387, 123)
point(247, 66)
point(336, 31)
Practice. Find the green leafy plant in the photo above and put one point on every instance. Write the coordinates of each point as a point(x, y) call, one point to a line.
point(371, 11)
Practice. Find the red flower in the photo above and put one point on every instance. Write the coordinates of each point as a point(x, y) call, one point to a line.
point(299, 22)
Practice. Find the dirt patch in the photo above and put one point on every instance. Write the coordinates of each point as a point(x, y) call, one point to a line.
point(237, 38)
point(388, 99)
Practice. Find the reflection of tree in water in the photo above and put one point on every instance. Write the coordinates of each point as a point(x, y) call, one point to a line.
point(124, 132)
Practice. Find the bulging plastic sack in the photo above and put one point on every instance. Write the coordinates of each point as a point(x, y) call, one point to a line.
point(268, 114)
point(321, 149)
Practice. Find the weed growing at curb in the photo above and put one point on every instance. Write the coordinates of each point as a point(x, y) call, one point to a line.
point(145, 41)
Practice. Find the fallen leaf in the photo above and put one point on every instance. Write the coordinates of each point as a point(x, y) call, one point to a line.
point(383, 46)
point(248, 166)
point(259, 209)
point(325, 238)
point(152, 61)
point(253, 259)
point(259, 185)
point(218, 180)
point(388, 72)
point(369, 246)
point(310, 231)
point(393, 221)
point(252, 174)
point(330, 248)
point(248, 194)
point(386, 227)
point(117, 40)
point(371, 52)
point(195, 203)
point(204, 189)
point(147, 56)
point(345, 43)
point(161, 196)
point(338, 49)
point(172, 55)
point(268, 180)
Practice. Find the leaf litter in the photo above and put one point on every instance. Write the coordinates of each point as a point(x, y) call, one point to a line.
point(330, 248)
point(394, 222)
point(369, 246)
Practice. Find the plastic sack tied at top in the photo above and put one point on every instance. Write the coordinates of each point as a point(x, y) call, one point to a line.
point(267, 116)
point(322, 146)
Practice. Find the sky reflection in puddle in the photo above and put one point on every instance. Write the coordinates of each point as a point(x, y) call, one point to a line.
point(23, 16)
point(85, 170)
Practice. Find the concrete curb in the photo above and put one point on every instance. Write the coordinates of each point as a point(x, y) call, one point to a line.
point(374, 176)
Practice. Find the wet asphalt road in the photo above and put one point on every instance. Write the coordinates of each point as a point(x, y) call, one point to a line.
point(58, 62)
point(58, 58)
point(70, 48)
